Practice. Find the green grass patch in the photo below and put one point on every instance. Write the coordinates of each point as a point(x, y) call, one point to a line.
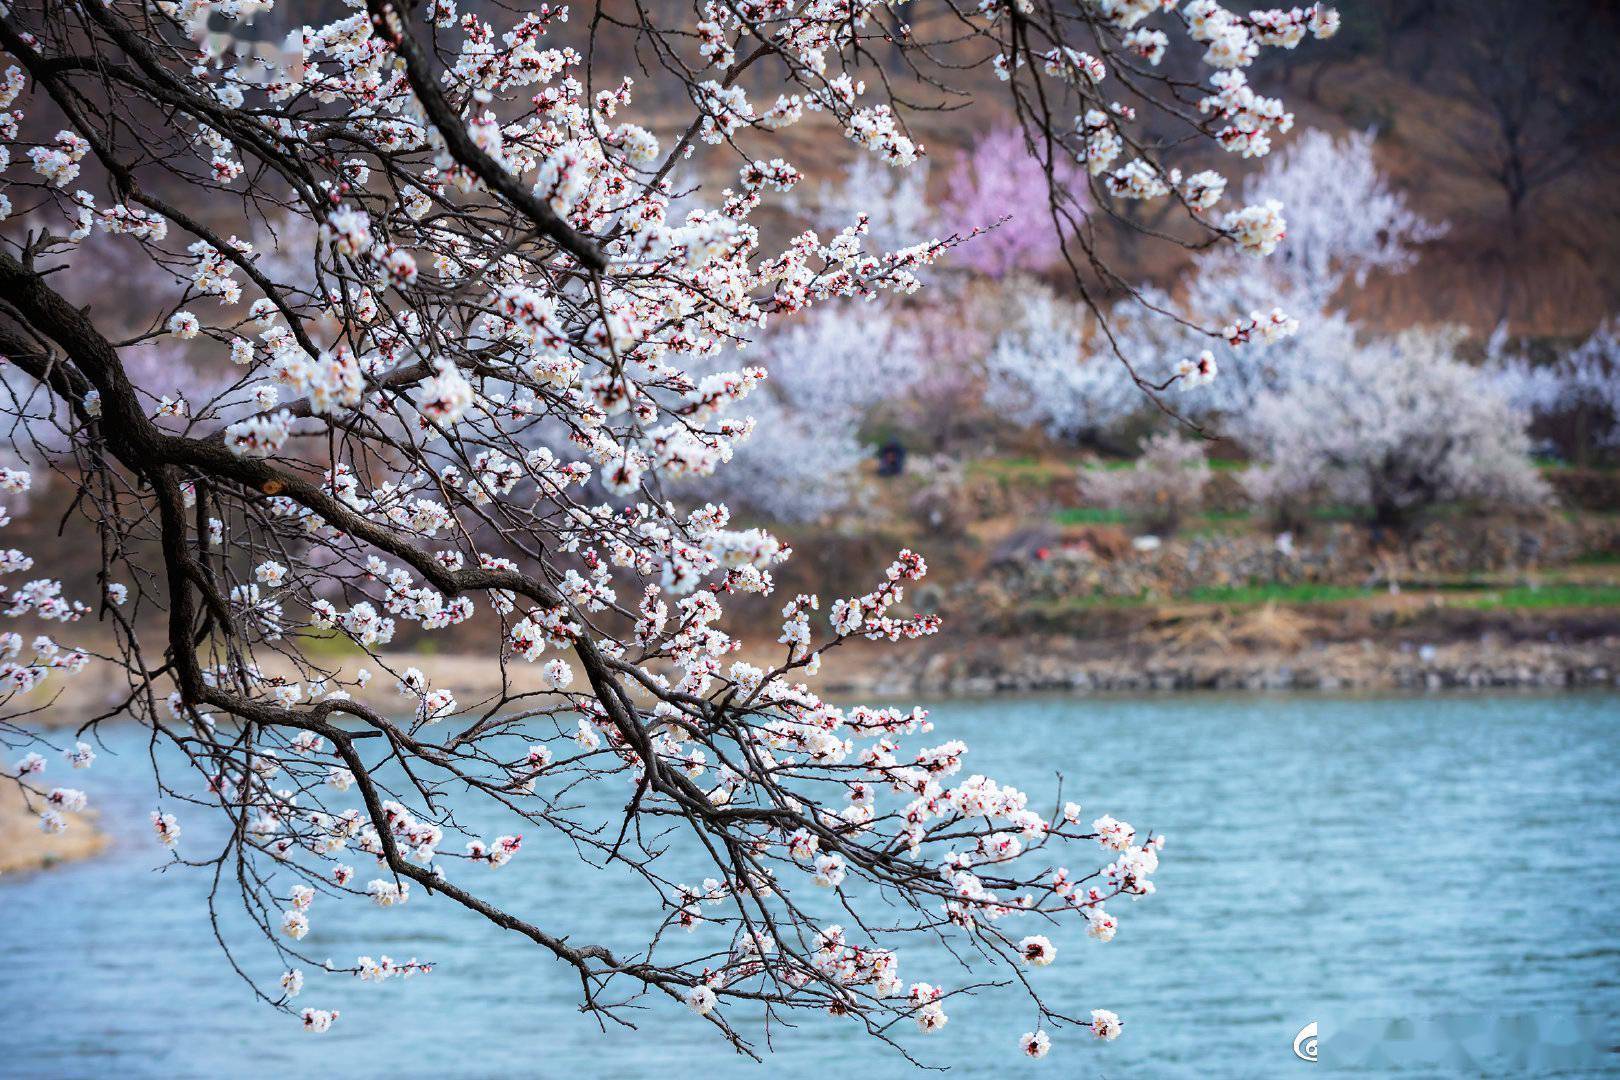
point(1475, 596)
point(1098, 515)
point(1543, 596)
point(1090, 515)
point(1548, 464)
point(1277, 594)
point(1340, 513)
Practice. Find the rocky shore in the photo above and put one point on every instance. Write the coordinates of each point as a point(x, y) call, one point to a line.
point(1000, 666)
point(1411, 646)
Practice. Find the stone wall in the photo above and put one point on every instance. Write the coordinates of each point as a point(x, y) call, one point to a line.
point(1027, 664)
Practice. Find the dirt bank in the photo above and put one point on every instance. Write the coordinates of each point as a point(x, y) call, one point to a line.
point(1389, 644)
point(23, 847)
point(1183, 658)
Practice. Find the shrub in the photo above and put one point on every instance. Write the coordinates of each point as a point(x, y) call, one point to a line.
point(1165, 485)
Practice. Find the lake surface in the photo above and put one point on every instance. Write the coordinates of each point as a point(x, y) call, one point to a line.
point(1349, 861)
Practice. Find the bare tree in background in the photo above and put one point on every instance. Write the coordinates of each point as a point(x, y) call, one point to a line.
point(1538, 100)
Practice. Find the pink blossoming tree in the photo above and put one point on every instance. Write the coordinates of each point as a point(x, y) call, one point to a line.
point(999, 186)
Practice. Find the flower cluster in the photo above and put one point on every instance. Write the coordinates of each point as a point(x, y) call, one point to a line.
point(508, 325)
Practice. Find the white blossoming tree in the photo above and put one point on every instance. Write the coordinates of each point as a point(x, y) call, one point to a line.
point(1579, 389)
point(1346, 223)
point(1043, 370)
point(1397, 424)
point(825, 373)
point(497, 314)
point(1056, 367)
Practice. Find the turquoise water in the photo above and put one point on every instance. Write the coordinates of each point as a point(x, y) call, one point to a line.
point(1339, 860)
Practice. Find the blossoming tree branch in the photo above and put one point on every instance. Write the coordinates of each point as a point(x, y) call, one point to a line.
point(470, 320)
